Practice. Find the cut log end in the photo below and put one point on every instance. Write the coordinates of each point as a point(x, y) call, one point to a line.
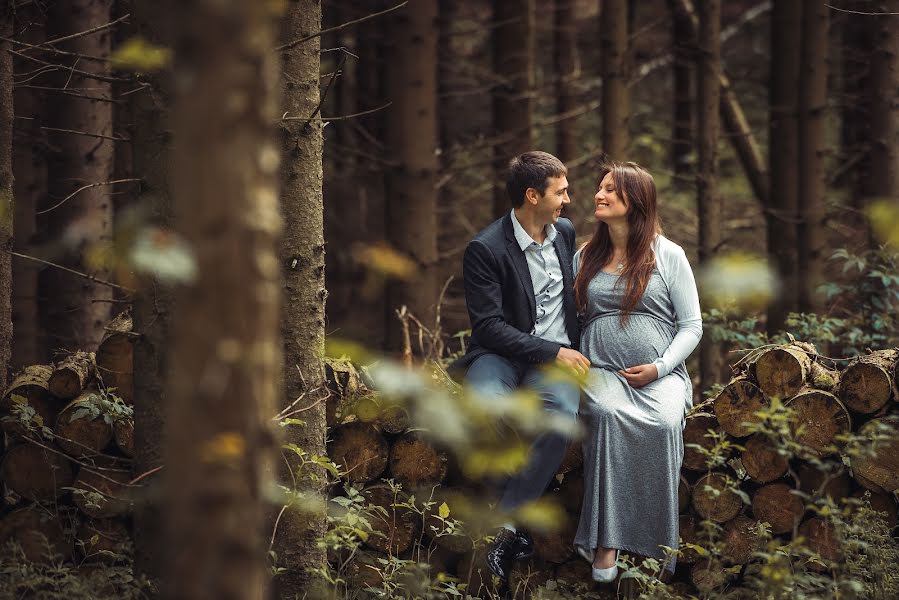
point(415, 463)
point(781, 372)
point(866, 384)
point(776, 504)
point(714, 498)
point(736, 406)
point(81, 428)
point(360, 450)
point(762, 461)
point(393, 529)
point(36, 473)
point(696, 433)
point(72, 374)
point(818, 419)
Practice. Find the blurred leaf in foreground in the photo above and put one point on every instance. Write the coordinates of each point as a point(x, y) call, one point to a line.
point(136, 54)
point(737, 283)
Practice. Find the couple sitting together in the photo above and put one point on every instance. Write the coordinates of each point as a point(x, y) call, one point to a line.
point(623, 312)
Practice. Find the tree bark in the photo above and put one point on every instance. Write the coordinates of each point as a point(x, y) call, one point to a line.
point(614, 67)
point(83, 223)
point(302, 259)
point(412, 136)
point(783, 156)
point(152, 304)
point(567, 68)
point(683, 42)
point(812, 107)
point(514, 37)
point(225, 356)
point(7, 12)
point(708, 203)
point(883, 183)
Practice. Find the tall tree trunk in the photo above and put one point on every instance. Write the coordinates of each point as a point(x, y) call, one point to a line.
point(226, 358)
point(302, 258)
point(153, 301)
point(567, 67)
point(513, 66)
point(783, 156)
point(855, 57)
point(708, 203)
point(413, 139)
point(812, 106)
point(75, 308)
point(6, 187)
point(683, 42)
point(613, 41)
point(883, 94)
point(30, 187)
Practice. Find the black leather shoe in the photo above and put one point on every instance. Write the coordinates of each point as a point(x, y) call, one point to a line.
point(525, 546)
point(502, 553)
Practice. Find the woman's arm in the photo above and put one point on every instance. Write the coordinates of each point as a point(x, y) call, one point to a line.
point(685, 299)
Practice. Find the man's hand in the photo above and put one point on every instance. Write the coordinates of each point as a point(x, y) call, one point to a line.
point(640, 375)
point(574, 360)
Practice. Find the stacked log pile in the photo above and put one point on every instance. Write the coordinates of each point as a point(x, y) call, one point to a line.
point(66, 463)
point(738, 472)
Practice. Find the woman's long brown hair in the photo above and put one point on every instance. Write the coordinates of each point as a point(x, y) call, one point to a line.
point(638, 190)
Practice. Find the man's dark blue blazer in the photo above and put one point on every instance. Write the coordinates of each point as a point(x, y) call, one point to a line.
point(500, 295)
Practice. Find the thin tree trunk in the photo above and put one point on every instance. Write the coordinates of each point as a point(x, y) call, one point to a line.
point(413, 138)
point(614, 72)
point(708, 70)
point(812, 105)
point(734, 121)
point(683, 42)
point(30, 187)
point(153, 302)
point(783, 156)
point(226, 359)
point(6, 187)
point(883, 94)
point(513, 66)
point(302, 259)
point(76, 309)
point(567, 68)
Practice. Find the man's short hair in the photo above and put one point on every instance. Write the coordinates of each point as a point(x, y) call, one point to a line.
point(531, 170)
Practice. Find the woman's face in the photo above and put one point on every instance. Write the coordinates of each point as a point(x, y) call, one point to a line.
point(610, 206)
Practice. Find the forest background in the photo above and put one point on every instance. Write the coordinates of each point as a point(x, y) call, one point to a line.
point(260, 184)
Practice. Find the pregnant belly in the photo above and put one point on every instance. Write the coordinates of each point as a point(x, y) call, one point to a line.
point(609, 345)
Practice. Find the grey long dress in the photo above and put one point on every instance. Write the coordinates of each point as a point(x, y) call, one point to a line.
point(634, 445)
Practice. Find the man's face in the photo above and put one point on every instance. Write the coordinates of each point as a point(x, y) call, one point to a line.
point(549, 206)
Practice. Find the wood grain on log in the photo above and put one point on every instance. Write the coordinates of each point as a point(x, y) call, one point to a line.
point(360, 450)
point(737, 404)
point(38, 532)
point(813, 482)
point(81, 428)
point(36, 473)
point(696, 432)
point(820, 538)
point(714, 499)
point(394, 529)
point(868, 382)
point(72, 374)
point(105, 489)
point(416, 464)
point(878, 468)
point(782, 371)
point(115, 357)
point(776, 504)
point(394, 419)
point(762, 461)
point(818, 418)
point(740, 540)
point(33, 385)
point(364, 571)
point(708, 575)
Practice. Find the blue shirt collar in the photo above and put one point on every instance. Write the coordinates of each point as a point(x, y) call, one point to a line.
point(524, 240)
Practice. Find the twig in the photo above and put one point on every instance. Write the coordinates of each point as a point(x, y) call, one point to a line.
point(81, 189)
point(324, 94)
point(142, 475)
point(342, 117)
point(858, 12)
point(312, 36)
point(71, 69)
point(86, 32)
point(73, 272)
point(88, 134)
point(62, 52)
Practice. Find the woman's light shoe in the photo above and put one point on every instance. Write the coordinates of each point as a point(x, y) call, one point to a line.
point(606, 575)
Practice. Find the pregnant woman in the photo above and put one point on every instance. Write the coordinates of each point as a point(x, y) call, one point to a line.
point(638, 297)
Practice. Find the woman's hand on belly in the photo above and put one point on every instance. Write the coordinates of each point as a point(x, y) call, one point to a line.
point(640, 375)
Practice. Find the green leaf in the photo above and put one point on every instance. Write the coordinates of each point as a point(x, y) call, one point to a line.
point(443, 511)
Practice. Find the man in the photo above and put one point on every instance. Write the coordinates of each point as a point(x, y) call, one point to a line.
point(519, 292)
